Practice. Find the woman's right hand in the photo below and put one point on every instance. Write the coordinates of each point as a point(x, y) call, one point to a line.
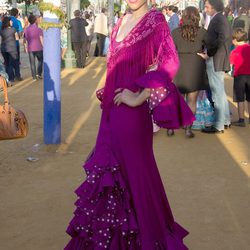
point(132, 99)
point(126, 96)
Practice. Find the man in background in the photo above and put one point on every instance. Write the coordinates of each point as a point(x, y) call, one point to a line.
point(174, 20)
point(218, 42)
point(79, 38)
point(101, 30)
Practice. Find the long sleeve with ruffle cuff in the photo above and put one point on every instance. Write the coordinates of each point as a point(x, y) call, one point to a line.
point(168, 107)
point(100, 94)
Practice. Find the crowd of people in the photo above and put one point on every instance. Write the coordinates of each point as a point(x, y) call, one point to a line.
point(156, 58)
point(220, 36)
point(210, 41)
point(13, 29)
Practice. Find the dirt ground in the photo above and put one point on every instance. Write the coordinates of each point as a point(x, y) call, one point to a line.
point(206, 178)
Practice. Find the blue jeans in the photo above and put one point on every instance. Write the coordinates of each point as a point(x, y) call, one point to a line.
point(10, 63)
point(221, 106)
point(17, 64)
point(32, 57)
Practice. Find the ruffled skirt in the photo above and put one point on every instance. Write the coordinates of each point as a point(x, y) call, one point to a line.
point(122, 204)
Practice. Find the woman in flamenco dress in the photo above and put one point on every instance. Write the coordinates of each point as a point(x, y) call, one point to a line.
point(122, 204)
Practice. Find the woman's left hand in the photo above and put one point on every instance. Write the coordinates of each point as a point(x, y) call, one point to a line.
point(127, 97)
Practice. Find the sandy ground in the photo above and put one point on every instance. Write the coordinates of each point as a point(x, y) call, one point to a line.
point(206, 178)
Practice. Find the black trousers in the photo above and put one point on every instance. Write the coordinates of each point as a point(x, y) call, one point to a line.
point(80, 49)
point(33, 56)
point(100, 43)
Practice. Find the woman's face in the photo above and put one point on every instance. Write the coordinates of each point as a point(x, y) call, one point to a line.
point(136, 4)
point(164, 12)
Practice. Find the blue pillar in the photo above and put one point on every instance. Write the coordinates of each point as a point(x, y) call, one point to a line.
point(52, 84)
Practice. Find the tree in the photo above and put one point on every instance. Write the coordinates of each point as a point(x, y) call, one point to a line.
point(27, 2)
point(117, 7)
point(84, 4)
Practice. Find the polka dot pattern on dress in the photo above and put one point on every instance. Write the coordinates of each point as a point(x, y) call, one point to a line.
point(100, 94)
point(157, 95)
point(104, 208)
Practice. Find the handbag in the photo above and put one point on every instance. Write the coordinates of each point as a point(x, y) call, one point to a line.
point(13, 123)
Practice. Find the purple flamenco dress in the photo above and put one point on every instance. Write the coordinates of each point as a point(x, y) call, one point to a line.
point(122, 204)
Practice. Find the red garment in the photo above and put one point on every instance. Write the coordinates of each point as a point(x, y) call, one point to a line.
point(240, 58)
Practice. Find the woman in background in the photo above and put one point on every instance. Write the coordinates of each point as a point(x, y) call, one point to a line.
point(8, 48)
point(191, 77)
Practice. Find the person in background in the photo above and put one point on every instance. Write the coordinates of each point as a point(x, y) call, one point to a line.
point(64, 35)
point(243, 21)
point(154, 6)
point(191, 77)
point(174, 20)
point(101, 30)
point(1, 21)
point(19, 29)
point(25, 22)
point(89, 32)
point(164, 12)
point(240, 58)
point(201, 5)
point(202, 19)
point(204, 116)
point(229, 15)
point(9, 48)
point(20, 18)
point(79, 38)
point(117, 17)
point(218, 43)
point(33, 36)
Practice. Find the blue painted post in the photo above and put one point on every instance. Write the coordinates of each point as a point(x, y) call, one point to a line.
point(52, 84)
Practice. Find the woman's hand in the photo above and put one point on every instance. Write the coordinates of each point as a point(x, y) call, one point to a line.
point(127, 97)
point(130, 98)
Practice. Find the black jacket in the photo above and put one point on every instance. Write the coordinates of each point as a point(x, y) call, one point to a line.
point(78, 32)
point(218, 42)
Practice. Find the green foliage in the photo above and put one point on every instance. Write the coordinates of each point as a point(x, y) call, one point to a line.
point(27, 2)
point(117, 7)
point(84, 4)
point(55, 10)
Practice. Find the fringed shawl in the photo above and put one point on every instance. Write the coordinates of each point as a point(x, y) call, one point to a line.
point(147, 58)
point(148, 44)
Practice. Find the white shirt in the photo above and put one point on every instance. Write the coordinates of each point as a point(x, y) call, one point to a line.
point(90, 28)
point(207, 21)
point(101, 24)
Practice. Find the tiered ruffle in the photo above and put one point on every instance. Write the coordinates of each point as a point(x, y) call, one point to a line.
point(104, 217)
